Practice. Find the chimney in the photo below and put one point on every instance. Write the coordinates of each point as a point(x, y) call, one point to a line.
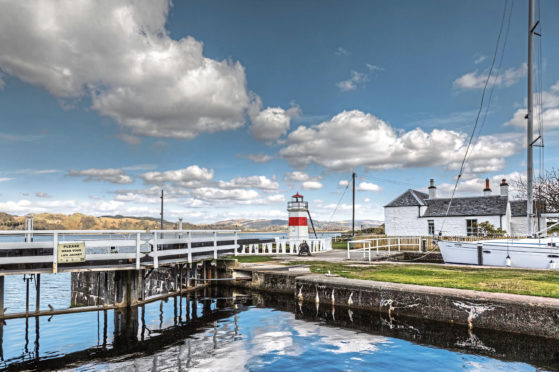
point(504, 187)
point(487, 189)
point(432, 189)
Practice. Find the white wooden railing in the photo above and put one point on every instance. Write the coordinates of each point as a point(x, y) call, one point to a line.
point(111, 245)
point(285, 246)
point(387, 244)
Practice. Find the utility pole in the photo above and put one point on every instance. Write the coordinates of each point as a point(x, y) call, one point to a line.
point(353, 209)
point(161, 209)
point(530, 117)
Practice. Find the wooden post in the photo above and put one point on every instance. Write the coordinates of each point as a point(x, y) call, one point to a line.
point(38, 292)
point(235, 244)
point(138, 251)
point(1, 296)
point(189, 247)
point(215, 245)
point(155, 258)
point(55, 253)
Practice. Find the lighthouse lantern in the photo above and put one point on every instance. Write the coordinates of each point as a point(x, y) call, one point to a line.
point(298, 211)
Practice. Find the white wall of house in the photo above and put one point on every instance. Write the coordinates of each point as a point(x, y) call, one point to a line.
point(405, 221)
point(519, 225)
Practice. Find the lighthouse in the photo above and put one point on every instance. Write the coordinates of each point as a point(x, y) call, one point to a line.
point(298, 210)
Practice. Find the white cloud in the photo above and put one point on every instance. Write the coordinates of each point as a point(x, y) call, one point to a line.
point(258, 182)
point(192, 176)
point(4, 179)
point(108, 175)
point(297, 176)
point(2, 82)
point(373, 67)
point(129, 139)
point(367, 200)
point(353, 138)
point(550, 114)
point(479, 59)
point(343, 183)
point(311, 185)
point(40, 194)
point(474, 186)
point(271, 123)
point(476, 80)
point(351, 83)
point(120, 54)
point(342, 52)
point(259, 158)
point(212, 193)
point(367, 186)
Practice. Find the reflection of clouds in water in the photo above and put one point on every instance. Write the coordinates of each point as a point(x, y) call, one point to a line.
point(342, 340)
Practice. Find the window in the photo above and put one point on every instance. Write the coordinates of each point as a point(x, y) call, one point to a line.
point(431, 227)
point(471, 227)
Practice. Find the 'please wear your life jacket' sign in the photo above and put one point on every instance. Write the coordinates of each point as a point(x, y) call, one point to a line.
point(71, 252)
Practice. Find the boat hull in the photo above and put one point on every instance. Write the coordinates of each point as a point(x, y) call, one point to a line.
point(526, 253)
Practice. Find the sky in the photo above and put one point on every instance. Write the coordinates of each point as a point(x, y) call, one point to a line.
point(232, 107)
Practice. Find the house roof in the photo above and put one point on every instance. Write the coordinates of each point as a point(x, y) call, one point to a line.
point(409, 198)
point(473, 206)
point(518, 208)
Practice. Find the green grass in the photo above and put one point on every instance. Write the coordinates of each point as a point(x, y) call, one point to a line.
point(339, 245)
point(526, 282)
point(251, 259)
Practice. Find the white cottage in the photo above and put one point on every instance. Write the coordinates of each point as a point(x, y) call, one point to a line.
point(415, 213)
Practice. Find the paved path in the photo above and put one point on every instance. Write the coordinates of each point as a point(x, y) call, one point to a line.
point(335, 255)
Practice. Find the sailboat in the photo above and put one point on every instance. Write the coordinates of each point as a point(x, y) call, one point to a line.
point(536, 252)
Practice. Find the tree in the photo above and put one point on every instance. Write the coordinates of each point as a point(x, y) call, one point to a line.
point(487, 229)
point(546, 190)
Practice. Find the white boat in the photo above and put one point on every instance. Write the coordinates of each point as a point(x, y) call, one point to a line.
point(539, 252)
point(523, 253)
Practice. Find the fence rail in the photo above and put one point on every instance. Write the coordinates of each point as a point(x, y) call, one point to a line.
point(285, 246)
point(389, 244)
point(144, 248)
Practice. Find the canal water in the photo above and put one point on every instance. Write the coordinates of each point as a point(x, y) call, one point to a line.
point(222, 330)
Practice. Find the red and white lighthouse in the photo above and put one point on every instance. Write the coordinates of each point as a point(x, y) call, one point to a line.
point(298, 211)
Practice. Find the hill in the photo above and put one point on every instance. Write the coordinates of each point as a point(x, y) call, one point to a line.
point(78, 221)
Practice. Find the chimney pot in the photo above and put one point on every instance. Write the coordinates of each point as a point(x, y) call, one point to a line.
point(432, 189)
point(504, 188)
point(487, 190)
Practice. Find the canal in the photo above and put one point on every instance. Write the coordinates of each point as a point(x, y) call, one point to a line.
point(229, 329)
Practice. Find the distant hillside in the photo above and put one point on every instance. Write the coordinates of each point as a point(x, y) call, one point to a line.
point(78, 221)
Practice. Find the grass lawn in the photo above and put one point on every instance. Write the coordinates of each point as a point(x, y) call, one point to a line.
point(250, 259)
point(527, 282)
point(339, 245)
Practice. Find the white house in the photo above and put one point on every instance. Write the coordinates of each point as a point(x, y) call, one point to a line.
point(415, 213)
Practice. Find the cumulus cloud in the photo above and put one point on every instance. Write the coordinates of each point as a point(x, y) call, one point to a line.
point(271, 123)
point(476, 80)
point(109, 175)
point(342, 52)
point(4, 179)
point(550, 113)
point(343, 183)
point(212, 193)
point(352, 139)
point(192, 176)
point(368, 186)
point(257, 182)
point(355, 79)
point(311, 185)
point(259, 158)
point(474, 186)
point(297, 176)
point(120, 55)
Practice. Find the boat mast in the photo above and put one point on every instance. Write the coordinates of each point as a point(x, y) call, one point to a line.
point(530, 117)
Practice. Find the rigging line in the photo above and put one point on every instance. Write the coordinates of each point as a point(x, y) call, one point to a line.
point(337, 205)
point(478, 113)
point(496, 76)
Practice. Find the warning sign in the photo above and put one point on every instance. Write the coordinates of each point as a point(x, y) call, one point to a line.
point(71, 252)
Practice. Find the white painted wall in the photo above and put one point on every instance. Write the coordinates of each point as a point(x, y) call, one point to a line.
point(519, 225)
point(405, 221)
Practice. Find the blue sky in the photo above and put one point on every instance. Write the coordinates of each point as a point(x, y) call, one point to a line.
point(219, 103)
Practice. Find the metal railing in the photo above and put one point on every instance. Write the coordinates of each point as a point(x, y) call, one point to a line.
point(389, 244)
point(285, 246)
point(113, 245)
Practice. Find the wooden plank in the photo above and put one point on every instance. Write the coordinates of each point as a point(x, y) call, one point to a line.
point(109, 256)
point(26, 245)
point(109, 243)
point(25, 259)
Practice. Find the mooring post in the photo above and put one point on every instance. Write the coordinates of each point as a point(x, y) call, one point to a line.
point(187, 275)
point(26, 295)
point(37, 292)
point(235, 244)
point(189, 247)
point(195, 273)
point(180, 279)
point(1, 296)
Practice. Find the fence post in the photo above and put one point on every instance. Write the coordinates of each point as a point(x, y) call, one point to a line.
point(235, 244)
point(398, 244)
point(55, 253)
point(190, 247)
point(419, 244)
point(137, 251)
point(215, 245)
point(348, 250)
point(369, 251)
point(155, 258)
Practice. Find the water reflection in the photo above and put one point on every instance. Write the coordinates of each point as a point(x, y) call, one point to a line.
point(229, 330)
